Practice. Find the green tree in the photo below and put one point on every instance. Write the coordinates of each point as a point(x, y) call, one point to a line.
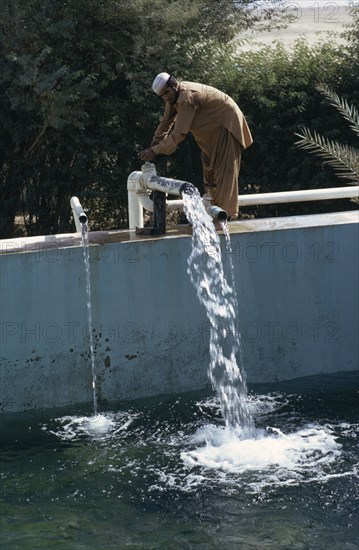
point(77, 104)
point(276, 88)
point(76, 99)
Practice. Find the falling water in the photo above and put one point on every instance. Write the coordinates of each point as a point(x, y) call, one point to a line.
point(86, 254)
point(205, 269)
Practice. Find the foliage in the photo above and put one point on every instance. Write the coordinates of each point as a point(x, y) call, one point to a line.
point(76, 97)
point(344, 159)
point(77, 103)
point(276, 89)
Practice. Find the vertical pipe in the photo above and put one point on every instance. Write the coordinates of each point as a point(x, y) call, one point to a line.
point(159, 213)
point(135, 210)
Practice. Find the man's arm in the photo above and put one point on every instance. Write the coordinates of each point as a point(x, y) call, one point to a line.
point(162, 130)
point(178, 132)
point(165, 124)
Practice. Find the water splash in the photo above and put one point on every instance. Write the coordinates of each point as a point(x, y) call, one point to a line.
point(205, 269)
point(271, 458)
point(86, 255)
point(175, 452)
point(107, 426)
point(239, 454)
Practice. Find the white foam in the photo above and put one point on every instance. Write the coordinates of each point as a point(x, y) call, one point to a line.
point(274, 455)
point(98, 426)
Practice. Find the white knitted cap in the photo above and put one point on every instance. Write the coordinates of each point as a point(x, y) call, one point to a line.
point(160, 82)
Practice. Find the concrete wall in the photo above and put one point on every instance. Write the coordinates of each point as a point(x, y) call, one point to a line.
point(298, 310)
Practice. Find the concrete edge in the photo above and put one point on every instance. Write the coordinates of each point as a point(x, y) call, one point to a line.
point(65, 240)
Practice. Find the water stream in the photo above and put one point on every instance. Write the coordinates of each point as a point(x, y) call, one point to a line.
point(218, 296)
point(86, 255)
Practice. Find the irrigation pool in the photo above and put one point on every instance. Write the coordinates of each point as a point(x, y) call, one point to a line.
point(240, 467)
point(165, 473)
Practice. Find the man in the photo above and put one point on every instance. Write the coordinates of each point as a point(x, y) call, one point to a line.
point(218, 127)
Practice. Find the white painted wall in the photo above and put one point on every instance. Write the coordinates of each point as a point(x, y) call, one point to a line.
point(298, 310)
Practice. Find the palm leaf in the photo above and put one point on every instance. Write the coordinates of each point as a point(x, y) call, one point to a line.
point(349, 112)
point(344, 159)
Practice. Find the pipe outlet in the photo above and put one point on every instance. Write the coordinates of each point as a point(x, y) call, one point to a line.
point(165, 185)
point(78, 213)
point(213, 210)
point(217, 213)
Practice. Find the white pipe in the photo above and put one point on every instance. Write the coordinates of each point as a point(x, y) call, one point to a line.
point(299, 196)
point(154, 182)
point(79, 215)
point(213, 210)
point(174, 204)
point(147, 203)
point(135, 210)
point(139, 195)
point(176, 187)
point(139, 199)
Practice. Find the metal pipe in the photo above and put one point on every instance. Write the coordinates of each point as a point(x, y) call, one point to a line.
point(166, 185)
point(170, 186)
point(178, 188)
point(160, 188)
point(135, 208)
point(159, 213)
point(215, 211)
point(139, 185)
point(174, 205)
point(78, 213)
point(175, 187)
point(139, 199)
point(349, 192)
point(147, 203)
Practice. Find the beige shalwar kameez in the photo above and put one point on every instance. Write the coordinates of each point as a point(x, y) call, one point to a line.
point(219, 129)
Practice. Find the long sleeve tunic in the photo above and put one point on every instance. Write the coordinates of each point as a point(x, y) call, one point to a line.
point(219, 129)
point(201, 110)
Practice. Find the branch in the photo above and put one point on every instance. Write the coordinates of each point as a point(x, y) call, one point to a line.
point(37, 140)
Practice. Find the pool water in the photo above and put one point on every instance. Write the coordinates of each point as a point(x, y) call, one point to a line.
point(165, 473)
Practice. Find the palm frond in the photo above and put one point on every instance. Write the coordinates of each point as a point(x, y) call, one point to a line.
point(343, 158)
point(349, 112)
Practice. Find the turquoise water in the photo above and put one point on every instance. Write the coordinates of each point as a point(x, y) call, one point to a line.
point(165, 473)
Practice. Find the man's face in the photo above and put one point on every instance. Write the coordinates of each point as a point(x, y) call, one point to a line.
point(169, 95)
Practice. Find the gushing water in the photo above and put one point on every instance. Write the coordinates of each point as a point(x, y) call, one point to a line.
point(86, 254)
point(206, 272)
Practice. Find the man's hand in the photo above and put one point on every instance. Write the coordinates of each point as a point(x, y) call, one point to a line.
point(147, 154)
